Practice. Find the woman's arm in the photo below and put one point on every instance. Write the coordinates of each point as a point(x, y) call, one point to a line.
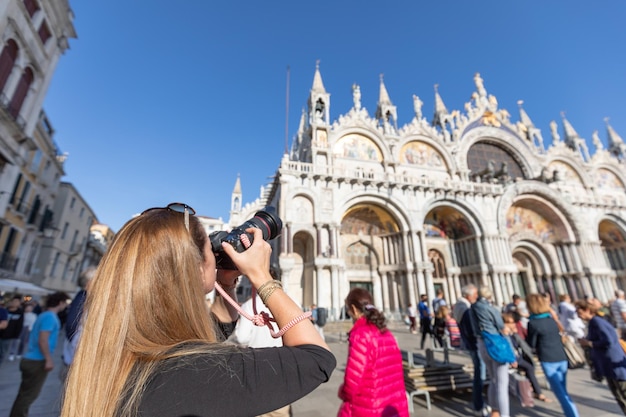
point(255, 264)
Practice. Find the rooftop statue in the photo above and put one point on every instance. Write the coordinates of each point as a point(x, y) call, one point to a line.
point(356, 96)
point(555, 134)
point(480, 86)
point(417, 106)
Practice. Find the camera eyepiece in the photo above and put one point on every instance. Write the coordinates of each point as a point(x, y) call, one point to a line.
point(266, 219)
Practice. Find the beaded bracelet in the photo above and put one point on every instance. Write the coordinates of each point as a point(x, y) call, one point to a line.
point(267, 289)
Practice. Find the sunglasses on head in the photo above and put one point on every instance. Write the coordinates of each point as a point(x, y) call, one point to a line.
point(178, 208)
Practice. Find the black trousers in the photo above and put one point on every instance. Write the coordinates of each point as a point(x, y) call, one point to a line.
point(426, 329)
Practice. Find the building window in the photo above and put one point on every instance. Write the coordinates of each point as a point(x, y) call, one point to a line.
point(7, 61)
point(65, 230)
point(54, 264)
point(483, 155)
point(21, 204)
point(82, 212)
point(31, 7)
point(44, 32)
point(16, 187)
point(34, 165)
point(74, 240)
point(20, 92)
point(73, 202)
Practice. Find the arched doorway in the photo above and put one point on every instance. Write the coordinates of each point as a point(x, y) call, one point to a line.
point(452, 247)
point(542, 246)
point(370, 237)
point(303, 253)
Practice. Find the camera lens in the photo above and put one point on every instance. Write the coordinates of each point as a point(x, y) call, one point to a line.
point(266, 220)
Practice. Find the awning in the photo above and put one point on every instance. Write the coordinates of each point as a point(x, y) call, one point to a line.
point(23, 287)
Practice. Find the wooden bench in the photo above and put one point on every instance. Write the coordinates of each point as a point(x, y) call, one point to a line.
point(424, 374)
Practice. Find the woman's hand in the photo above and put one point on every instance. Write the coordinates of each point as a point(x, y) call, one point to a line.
point(254, 262)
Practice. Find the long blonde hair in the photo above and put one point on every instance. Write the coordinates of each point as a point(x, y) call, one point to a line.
point(146, 299)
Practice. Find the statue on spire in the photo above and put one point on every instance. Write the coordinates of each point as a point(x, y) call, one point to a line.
point(417, 107)
point(555, 133)
point(356, 96)
point(480, 86)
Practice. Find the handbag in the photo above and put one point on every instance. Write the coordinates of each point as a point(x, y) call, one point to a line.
point(575, 357)
point(498, 347)
point(520, 386)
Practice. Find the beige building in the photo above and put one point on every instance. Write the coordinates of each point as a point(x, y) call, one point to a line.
point(471, 196)
point(63, 255)
point(34, 35)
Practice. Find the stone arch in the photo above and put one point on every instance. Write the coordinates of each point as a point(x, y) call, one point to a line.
point(454, 231)
point(536, 217)
point(303, 211)
point(370, 236)
point(436, 146)
point(536, 190)
point(360, 134)
point(606, 178)
point(570, 171)
point(398, 213)
point(535, 266)
point(471, 215)
point(612, 236)
point(512, 144)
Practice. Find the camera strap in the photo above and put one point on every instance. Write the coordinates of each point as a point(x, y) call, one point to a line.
point(262, 318)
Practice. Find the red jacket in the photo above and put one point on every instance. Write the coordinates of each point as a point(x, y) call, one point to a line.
point(374, 379)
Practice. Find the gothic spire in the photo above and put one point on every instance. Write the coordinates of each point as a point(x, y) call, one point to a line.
point(616, 144)
point(318, 85)
point(319, 100)
point(383, 96)
point(386, 112)
point(441, 112)
point(237, 188)
point(614, 138)
point(570, 133)
point(573, 140)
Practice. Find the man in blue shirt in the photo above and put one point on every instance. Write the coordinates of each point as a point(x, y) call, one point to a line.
point(37, 362)
point(425, 318)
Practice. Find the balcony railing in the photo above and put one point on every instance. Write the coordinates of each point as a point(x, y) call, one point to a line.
point(359, 175)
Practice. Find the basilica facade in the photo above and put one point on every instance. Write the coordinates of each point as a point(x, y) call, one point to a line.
point(470, 196)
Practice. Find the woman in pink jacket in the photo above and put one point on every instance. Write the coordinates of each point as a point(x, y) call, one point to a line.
point(374, 381)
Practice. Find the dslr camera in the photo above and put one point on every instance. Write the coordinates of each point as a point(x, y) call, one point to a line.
point(266, 219)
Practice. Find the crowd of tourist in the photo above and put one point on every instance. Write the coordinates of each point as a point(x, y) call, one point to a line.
point(538, 334)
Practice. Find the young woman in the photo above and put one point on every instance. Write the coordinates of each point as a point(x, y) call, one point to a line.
point(523, 354)
point(607, 354)
point(544, 337)
point(149, 346)
point(374, 379)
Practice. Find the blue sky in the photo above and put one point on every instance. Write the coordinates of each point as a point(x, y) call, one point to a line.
point(160, 101)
